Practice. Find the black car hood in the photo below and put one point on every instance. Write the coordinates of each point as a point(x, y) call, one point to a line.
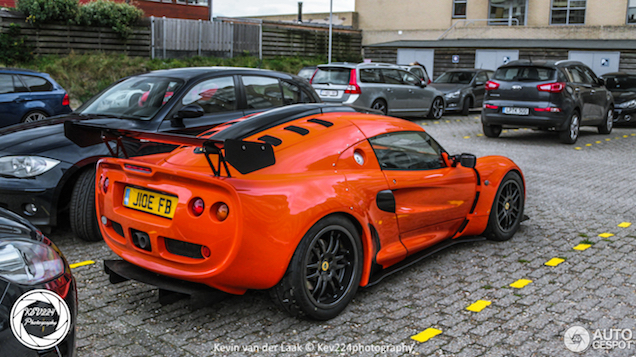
point(622, 97)
point(14, 226)
point(46, 135)
point(448, 87)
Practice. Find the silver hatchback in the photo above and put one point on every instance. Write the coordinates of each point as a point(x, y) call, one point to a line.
point(384, 87)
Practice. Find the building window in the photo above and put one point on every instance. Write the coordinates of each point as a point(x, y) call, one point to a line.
point(459, 9)
point(507, 12)
point(631, 12)
point(568, 12)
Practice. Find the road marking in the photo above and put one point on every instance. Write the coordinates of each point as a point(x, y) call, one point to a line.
point(480, 134)
point(577, 148)
point(606, 235)
point(625, 225)
point(582, 247)
point(633, 134)
point(608, 139)
point(81, 264)
point(588, 144)
point(426, 334)
point(520, 283)
point(478, 305)
point(626, 136)
point(598, 142)
point(466, 137)
point(504, 131)
point(554, 262)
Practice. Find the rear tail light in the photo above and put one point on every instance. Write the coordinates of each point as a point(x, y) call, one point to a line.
point(555, 87)
point(313, 75)
point(490, 85)
point(490, 106)
point(205, 251)
point(353, 87)
point(138, 168)
point(222, 211)
point(106, 184)
point(66, 101)
point(549, 109)
point(197, 206)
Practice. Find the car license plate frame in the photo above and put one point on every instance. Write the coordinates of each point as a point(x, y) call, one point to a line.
point(516, 111)
point(147, 201)
point(329, 93)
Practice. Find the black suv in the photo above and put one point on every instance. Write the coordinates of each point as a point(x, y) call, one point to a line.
point(547, 95)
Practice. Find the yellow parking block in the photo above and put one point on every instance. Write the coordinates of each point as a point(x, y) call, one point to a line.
point(633, 134)
point(466, 137)
point(478, 305)
point(554, 262)
point(577, 148)
point(81, 264)
point(582, 246)
point(426, 334)
point(598, 142)
point(480, 134)
point(606, 235)
point(625, 225)
point(608, 139)
point(588, 144)
point(520, 283)
point(435, 122)
point(626, 136)
point(504, 131)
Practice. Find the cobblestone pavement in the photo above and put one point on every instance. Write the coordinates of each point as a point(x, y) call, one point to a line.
point(574, 193)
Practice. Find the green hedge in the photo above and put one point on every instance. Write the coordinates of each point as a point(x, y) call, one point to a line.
point(13, 48)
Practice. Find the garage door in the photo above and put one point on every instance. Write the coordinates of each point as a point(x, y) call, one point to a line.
point(599, 62)
point(492, 59)
point(425, 57)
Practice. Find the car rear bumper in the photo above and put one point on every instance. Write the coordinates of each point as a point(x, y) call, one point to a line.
point(534, 119)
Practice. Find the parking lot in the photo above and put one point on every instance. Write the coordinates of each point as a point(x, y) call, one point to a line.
point(576, 194)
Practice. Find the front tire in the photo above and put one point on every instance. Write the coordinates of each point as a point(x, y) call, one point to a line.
point(507, 209)
point(571, 134)
point(324, 273)
point(491, 131)
point(466, 106)
point(608, 124)
point(437, 109)
point(82, 213)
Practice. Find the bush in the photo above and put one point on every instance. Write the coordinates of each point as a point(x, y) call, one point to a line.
point(13, 48)
point(43, 11)
point(118, 16)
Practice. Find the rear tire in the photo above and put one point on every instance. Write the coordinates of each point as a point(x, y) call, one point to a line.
point(35, 115)
point(468, 103)
point(324, 273)
point(437, 109)
point(571, 134)
point(608, 124)
point(380, 104)
point(82, 214)
point(492, 131)
point(507, 209)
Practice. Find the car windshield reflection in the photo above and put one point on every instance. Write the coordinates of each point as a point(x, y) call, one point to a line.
point(134, 98)
point(621, 83)
point(456, 77)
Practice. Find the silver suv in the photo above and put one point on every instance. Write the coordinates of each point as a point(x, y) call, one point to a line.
point(384, 87)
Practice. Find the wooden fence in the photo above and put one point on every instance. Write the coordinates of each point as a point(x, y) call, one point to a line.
point(62, 39)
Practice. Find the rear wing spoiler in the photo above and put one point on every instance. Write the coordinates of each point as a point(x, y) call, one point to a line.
point(244, 156)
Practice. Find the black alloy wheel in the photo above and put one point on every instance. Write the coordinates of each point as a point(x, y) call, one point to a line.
point(507, 208)
point(437, 109)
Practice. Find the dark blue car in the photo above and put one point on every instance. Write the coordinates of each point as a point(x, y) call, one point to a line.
point(27, 96)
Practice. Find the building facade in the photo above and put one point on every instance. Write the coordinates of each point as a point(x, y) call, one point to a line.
point(445, 34)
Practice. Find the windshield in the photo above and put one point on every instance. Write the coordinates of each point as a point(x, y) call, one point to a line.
point(621, 83)
point(455, 77)
point(134, 98)
point(331, 75)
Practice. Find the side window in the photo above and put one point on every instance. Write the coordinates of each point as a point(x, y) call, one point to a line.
point(411, 150)
point(391, 76)
point(589, 74)
point(561, 76)
point(409, 78)
point(214, 95)
point(576, 75)
point(370, 75)
point(18, 86)
point(292, 94)
point(6, 83)
point(417, 71)
point(482, 77)
point(37, 84)
point(262, 92)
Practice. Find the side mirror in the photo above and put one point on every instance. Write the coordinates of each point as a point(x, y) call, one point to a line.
point(422, 84)
point(468, 160)
point(189, 111)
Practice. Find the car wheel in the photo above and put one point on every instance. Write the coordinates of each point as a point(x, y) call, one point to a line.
point(437, 109)
point(570, 135)
point(82, 213)
point(492, 131)
point(468, 103)
point(324, 273)
point(507, 209)
point(380, 104)
point(33, 116)
point(608, 124)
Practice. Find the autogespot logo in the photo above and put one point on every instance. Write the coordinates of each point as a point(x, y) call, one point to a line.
point(40, 319)
point(577, 339)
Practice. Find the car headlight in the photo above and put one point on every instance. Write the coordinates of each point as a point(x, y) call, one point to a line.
point(29, 262)
point(453, 95)
point(25, 166)
point(630, 104)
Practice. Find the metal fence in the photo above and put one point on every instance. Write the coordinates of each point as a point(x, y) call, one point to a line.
point(180, 38)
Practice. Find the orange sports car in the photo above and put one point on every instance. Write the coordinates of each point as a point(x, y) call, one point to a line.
point(309, 201)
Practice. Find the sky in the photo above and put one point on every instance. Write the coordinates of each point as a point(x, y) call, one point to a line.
point(235, 8)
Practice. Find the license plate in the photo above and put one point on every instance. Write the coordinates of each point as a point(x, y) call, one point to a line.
point(328, 93)
point(150, 202)
point(516, 111)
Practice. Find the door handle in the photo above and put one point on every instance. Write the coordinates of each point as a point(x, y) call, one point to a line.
point(389, 90)
point(593, 91)
point(19, 100)
point(410, 91)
